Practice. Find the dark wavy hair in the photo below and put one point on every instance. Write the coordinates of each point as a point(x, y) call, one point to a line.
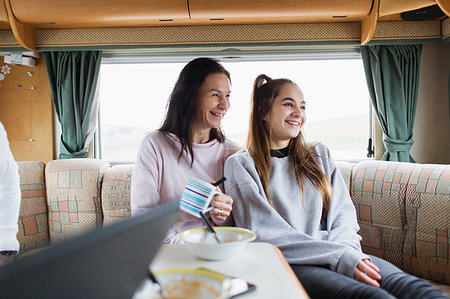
point(182, 104)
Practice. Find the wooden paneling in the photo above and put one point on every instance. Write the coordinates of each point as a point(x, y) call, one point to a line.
point(320, 11)
point(127, 13)
point(141, 13)
point(389, 7)
point(97, 13)
point(369, 24)
point(444, 5)
point(27, 113)
point(4, 22)
point(25, 34)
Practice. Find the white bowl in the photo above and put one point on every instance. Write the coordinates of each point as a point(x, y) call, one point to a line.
point(186, 283)
point(203, 245)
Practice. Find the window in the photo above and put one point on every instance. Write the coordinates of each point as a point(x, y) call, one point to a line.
point(133, 94)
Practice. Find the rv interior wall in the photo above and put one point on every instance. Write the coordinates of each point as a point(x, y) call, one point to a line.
point(432, 122)
point(26, 110)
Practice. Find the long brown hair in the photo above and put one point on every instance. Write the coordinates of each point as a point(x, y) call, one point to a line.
point(265, 90)
point(183, 104)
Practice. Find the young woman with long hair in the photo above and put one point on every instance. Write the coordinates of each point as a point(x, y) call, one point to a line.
point(292, 195)
point(190, 143)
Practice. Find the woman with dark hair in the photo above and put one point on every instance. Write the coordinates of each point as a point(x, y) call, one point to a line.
point(190, 143)
point(293, 196)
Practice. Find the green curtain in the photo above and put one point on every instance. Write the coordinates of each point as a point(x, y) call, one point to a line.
point(392, 74)
point(73, 79)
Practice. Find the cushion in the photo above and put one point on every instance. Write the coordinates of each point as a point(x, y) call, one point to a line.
point(33, 225)
point(73, 196)
point(427, 203)
point(378, 192)
point(116, 193)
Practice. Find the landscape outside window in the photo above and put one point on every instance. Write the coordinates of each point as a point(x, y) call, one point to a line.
point(133, 99)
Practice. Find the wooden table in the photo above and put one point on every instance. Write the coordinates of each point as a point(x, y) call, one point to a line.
point(259, 263)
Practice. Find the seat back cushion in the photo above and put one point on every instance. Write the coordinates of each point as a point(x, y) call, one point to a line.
point(74, 196)
point(378, 192)
point(427, 203)
point(33, 225)
point(116, 193)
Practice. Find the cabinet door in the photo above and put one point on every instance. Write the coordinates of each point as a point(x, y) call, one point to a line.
point(282, 10)
point(97, 13)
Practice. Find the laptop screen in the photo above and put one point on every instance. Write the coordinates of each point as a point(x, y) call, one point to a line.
point(109, 262)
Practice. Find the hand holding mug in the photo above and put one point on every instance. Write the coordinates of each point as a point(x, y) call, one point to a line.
point(197, 196)
point(222, 204)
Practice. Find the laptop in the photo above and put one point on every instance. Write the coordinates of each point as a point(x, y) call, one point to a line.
point(110, 262)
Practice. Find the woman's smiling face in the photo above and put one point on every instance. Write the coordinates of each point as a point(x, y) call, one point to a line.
point(213, 100)
point(286, 116)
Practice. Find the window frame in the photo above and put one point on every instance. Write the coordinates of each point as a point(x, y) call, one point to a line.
point(228, 53)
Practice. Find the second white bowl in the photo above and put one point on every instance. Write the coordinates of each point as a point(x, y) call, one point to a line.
point(203, 245)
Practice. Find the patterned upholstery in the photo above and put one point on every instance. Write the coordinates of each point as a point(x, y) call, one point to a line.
point(378, 192)
point(73, 196)
point(33, 225)
point(426, 246)
point(116, 193)
point(402, 208)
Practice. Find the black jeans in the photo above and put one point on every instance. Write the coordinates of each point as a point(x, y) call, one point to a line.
point(320, 282)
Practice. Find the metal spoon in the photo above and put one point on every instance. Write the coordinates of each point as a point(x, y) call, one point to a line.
point(209, 226)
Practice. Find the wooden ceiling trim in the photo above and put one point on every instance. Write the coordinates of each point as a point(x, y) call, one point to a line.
point(369, 23)
point(25, 34)
point(444, 5)
point(3, 13)
point(389, 7)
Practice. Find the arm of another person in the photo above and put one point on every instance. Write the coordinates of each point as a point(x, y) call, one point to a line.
point(9, 198)
point(251, 210)
point(144, 184)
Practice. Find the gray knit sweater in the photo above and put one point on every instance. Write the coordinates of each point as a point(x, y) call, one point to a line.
point(296, 227)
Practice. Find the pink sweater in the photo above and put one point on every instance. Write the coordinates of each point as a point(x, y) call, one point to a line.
point(159, 176)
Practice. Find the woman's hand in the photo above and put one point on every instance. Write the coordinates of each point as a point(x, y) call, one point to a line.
point(368, 273)
point(222, 206)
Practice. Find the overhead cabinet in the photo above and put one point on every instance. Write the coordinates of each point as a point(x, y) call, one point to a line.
point(97, 13)
point(302, 11)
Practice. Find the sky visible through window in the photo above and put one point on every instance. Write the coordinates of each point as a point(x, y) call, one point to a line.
point(133, 99)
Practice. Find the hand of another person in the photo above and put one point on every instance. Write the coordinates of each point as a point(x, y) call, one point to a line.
point(367, 272)
point(222, 206)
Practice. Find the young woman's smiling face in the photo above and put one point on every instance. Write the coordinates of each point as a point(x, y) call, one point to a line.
point(286, 116)
point(213, 100)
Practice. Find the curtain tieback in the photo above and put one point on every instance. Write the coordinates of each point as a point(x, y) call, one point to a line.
point(397, 145)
